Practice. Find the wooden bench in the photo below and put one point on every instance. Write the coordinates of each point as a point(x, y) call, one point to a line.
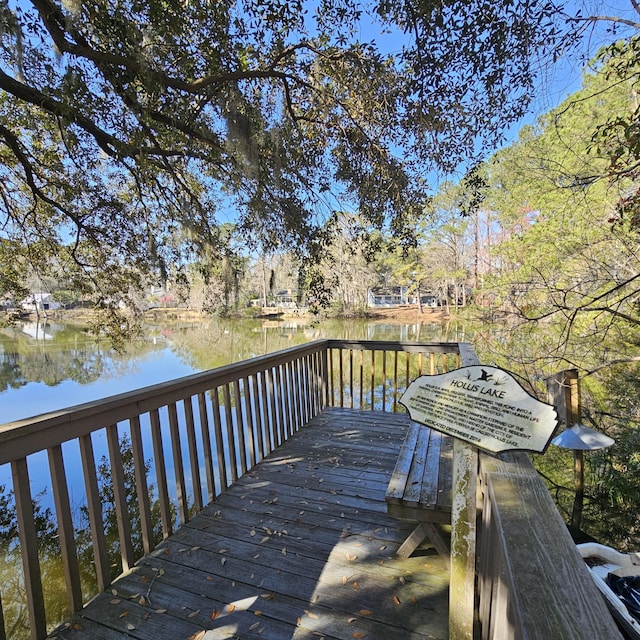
point(420, 487)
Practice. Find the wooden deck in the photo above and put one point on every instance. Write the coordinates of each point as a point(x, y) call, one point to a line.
point(300, 547)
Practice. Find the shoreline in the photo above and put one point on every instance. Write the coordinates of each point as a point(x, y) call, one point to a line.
point(403, 314)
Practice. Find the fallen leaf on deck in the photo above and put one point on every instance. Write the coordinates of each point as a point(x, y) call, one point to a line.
point(284, 552)
point(257, 613)
point(193, 614)
point(161, 611)
point(124, 614)
point(143, 601)
point(198, 635)
point(223, 550)
point(115, 601)
point(351, 558)
point(311, 615)
point(396, 600)
point(350, 620)
point(255, 625)
point(355, 585)
point(358, 634)
point(222, 562)
point(265, 539)
point(214, 614)
point(402, 579)
point(268, 596)
point(231, 608)
point(252, 532)
point(130, 627)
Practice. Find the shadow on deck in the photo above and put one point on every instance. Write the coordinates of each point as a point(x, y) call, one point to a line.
point(301, 546)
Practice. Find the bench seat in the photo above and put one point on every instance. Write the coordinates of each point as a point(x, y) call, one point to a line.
point(420, 486)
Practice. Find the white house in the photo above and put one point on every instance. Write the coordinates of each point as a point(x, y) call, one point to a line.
point(39, 303)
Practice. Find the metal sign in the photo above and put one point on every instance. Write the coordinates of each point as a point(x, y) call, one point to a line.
point(484, 406)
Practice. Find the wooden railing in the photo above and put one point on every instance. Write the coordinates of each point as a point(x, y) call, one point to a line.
point(200, 434)
point(169, 449)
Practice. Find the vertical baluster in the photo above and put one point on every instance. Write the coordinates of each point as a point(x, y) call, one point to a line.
point(65, 528)
point(361, 379)
point(341, 370)
point(120, 498)
point(161, 474)
point(94, 510)
point(444, 363)
point(373, 379)
point(206, 445)
point(231, 437)
point(217, 425)
point(297, 385)
point(332, 390)
point(282, 432)
point(311, 377)
point(351, 378)
point(178, 465)
point(384, 380)
point(324, 378)
point(288, 422)
point(29, 549)
point(291, 395)
point(142, 491)
point(319, 378)
point(302, 389)
point(420, 363)
point(273, 422)
point(265, 387)
point(395, 381)
point(432, 364)
point(193, 453)
point(248, 408)
point(407, 359)
point(260, 451)
point(240, 426)
point(309, 385)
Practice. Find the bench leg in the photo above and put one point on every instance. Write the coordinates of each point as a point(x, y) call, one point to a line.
point(422, 531)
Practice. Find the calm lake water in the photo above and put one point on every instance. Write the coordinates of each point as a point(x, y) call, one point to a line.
point(56, 365)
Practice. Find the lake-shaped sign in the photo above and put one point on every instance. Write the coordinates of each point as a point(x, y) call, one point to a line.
point(484, 406)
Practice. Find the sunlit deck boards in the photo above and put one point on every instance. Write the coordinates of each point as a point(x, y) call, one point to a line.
point(299, 547)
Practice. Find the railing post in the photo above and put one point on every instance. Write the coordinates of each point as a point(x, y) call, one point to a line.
point(463, 528)
point(463, 541)
point(29, 544)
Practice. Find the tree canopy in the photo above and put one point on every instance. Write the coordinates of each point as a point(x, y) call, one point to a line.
point(130, 130)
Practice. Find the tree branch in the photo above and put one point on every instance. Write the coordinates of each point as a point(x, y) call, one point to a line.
point(614, 19)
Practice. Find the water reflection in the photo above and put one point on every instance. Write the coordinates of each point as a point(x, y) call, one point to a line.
point(52, 365)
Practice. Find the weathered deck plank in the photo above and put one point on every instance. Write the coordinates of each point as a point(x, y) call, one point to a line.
point(299, 547)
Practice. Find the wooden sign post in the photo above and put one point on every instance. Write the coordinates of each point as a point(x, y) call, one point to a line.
point(481, 407)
